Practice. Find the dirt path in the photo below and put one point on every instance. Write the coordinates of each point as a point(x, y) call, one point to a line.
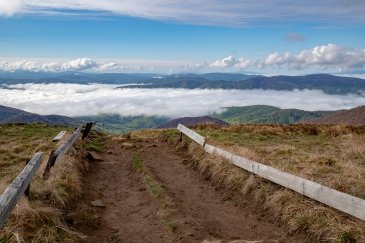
point(189, 208)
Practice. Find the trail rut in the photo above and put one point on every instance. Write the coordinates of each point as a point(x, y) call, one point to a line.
point(197, 211)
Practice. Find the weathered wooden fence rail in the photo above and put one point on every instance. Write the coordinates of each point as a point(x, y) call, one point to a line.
point(21, 183)
point(56, 155)
point(331, 197)
point(16, 189)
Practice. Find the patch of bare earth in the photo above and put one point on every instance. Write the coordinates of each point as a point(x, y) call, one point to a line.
point(161, 198)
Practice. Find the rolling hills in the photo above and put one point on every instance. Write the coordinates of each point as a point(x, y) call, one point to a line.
point(263, 114)
point(12, 115)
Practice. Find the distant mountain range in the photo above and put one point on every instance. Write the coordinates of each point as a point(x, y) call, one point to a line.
point(12, 115)
point(257, 114)
point(264, 114)
point(191, 121)
point(327, 83)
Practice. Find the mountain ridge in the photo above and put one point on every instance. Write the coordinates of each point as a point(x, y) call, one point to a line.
point(13, 115)
point(330, 84)
point(264, 114)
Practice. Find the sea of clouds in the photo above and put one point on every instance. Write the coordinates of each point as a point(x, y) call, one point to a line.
point(92, 99)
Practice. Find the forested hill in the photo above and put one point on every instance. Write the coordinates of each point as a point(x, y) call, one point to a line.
point(263, 114)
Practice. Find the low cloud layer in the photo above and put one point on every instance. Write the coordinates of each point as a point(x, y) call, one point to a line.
point(78, 100)
point(202, 12)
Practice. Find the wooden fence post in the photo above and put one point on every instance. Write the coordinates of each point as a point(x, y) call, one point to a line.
point(87, 129)
point(27, 190)
point(50, 163)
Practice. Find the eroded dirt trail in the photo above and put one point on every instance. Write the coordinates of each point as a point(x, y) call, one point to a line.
point(190, 209)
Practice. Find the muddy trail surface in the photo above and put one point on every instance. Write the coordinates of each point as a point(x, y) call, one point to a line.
point(146, 191)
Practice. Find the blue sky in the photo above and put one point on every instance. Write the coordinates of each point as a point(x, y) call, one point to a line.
point(270, 37)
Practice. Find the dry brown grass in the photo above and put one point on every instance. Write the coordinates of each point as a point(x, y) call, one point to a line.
point(42, 219)
point(300, 215)
point(331, 155)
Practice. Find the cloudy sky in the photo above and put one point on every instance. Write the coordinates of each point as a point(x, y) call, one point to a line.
point(268, 36)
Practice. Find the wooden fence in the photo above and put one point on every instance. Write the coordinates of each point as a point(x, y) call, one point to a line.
point(20, 185)
point(331, 197)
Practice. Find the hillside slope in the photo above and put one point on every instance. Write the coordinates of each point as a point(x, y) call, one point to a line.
point(12, 115)
point(263, 114)
point(355, 116)
point(192, 121)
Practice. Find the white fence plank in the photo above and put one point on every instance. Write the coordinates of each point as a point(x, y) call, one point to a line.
point(331, 197)
point(191, 134)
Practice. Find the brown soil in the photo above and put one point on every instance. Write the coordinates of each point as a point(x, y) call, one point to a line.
point(200, 211)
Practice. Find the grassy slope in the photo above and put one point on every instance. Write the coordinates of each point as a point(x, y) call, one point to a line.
point(331, 155)
point(41, 219)
point(263, 114)
point(20, 142)
point(316, 153)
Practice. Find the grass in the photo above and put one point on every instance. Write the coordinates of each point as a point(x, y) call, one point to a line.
point(20, 142)
point(152, 185)
point(156, 191)
point(331, 155)
point(41, 219)
point(296, 149)
point(96, 144)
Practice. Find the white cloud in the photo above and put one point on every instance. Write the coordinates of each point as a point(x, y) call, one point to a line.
point(331, 57)
point(231, 62)
point(10, 7)
point(211, 12)
point(77, 100)
point(80, 64)
point(324, 56)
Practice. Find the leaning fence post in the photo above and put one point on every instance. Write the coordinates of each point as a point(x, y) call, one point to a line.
point(27, 190)
point(87, 129)
point(181, 137)
point(50, 163)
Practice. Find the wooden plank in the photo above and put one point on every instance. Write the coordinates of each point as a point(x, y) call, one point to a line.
point(16, 189)
point(191, 134)
point(63, 148)
point(57, 154)
point(59, 136)
point(326, 195)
